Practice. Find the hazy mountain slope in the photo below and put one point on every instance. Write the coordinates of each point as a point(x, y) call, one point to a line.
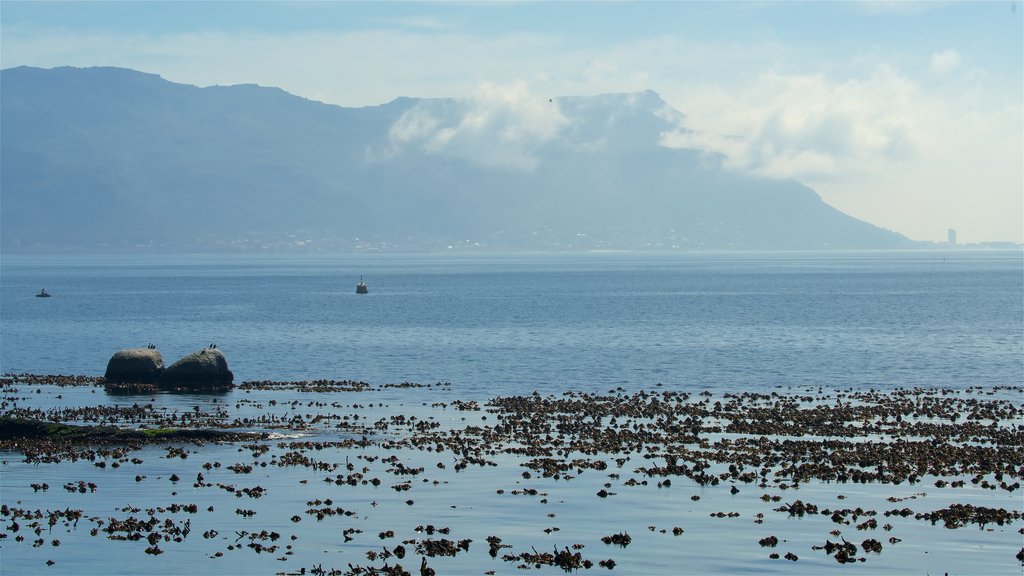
point(107, 157)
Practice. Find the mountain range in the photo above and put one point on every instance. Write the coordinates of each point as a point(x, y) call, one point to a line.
point(115, 159)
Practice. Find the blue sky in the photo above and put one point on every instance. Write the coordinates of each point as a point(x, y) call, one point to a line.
point(908, 115)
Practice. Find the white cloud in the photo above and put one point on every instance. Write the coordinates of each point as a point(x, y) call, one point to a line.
point(500, 125)
point(794, 126)
point(945, 61)
point(416, 124)
point(969, 175)
point(881, 147)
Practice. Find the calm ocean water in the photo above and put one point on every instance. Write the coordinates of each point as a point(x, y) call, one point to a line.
point(508, 324)
point(498, 325)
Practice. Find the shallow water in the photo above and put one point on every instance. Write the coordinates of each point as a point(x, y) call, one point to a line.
point(467, 501)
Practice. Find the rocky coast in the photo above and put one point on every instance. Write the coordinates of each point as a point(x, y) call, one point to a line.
point(346, 477)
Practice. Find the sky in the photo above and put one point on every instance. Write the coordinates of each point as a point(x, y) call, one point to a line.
point(905, 114)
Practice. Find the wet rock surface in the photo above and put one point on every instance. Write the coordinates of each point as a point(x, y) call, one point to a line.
point(22, 431)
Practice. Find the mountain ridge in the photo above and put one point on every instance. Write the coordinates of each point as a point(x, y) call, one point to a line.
point(111, 158)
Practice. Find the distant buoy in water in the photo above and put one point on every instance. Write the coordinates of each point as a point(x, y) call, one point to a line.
point(362, 288)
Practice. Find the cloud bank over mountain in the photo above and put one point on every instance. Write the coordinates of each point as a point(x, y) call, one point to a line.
point(807, 126)
point(108, 158)
point(499, 126)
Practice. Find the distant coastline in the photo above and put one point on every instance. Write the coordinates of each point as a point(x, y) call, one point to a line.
point(328, 247)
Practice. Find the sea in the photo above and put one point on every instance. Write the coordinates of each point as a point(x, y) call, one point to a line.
point(518, 323)
point(477, 326)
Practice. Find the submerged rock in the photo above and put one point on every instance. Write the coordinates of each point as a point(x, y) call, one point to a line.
point(137, 365)
point(69, 434)
point(207, 368)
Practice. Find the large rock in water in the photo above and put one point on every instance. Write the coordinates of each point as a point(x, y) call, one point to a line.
point(207, 368)
point(135, 365)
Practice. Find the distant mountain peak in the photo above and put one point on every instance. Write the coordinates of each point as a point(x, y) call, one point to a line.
point(111, 158)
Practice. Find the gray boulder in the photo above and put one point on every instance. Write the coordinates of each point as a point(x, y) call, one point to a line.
point(207, 368)
point(136, 365)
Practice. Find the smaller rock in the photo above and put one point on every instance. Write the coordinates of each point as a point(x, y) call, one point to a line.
point(136, 365)
point(205, 369)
